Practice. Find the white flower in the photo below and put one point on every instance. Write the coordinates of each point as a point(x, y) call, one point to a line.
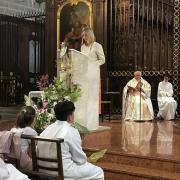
point(54, 103)
point(67, 98)
point(50, 115)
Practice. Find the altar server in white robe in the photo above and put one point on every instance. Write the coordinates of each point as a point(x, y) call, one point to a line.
point(75, 165)
point(137, 104)
point(167, 104)
point(95, 53)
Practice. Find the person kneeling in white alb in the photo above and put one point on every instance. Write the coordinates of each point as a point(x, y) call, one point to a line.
point(167, 104)
point(75, 165)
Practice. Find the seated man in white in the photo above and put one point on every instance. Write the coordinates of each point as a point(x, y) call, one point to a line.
point(167, 104)
point(137, 104)
point(75, 165)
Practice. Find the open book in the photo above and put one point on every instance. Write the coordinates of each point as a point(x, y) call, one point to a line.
point(78, 52)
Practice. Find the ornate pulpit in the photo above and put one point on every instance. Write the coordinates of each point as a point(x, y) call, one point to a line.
point(74, 69)
point(79, 75)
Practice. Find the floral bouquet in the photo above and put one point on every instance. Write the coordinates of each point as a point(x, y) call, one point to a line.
point(53, 93)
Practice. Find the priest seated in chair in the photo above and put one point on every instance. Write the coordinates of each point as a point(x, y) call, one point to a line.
point(137, 105)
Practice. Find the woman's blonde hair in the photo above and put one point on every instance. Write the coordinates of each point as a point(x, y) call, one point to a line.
point(90, 34)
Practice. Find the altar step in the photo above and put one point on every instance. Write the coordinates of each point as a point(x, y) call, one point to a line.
point(116, 171)
point(120, 166)
point(9, 113)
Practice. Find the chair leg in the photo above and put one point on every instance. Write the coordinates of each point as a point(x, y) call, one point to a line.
point(102, 113)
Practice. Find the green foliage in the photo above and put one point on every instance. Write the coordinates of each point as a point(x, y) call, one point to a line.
point(27, 100)
point(43, 120)
point(97, 155)
point(80, 128)
point(57, 91)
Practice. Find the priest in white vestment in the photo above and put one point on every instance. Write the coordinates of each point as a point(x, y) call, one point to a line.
point(137, 104)
point(75, 164)
point(95, 53)
point(167, 104)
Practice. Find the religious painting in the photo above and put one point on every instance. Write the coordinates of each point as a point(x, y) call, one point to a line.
point(71, 19)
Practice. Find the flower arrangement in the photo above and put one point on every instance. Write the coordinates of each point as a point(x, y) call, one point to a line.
point(43, 82)
point(57, 91)
point(52, 93)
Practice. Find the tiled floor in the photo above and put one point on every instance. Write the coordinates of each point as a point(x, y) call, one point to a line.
point(152, 139)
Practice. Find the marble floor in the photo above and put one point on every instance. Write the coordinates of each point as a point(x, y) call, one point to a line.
point(153, 139)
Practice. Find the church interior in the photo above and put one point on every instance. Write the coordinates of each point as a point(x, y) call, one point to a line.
point(42, 62)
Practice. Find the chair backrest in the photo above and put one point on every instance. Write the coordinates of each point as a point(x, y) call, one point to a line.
point(35, 94)
point(35, 158)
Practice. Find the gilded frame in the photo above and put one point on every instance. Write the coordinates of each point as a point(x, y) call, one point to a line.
point(71, 2)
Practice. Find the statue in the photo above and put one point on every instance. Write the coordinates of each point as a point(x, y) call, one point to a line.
point(64, 64)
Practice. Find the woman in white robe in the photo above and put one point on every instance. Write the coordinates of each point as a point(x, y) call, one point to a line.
point(167, 104)
point(75, 165)
point(95, 53)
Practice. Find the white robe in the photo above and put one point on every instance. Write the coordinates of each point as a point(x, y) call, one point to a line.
point(136, 136)
point(137, 106)
point(9, 172)
point(167, 104)
point(75, 165)
point(165, 137)
point(96, 56)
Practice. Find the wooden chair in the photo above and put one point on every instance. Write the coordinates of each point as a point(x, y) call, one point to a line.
point(155, 106)
point(35, 173)
point(103, 104)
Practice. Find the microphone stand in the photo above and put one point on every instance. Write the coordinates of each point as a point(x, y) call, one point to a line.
point(140, 100)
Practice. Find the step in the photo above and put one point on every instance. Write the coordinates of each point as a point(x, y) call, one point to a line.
point(8, 117)
point(10, 108)
point(116, 171)
point(168, 165)
point(9, 113)
point(6, 124)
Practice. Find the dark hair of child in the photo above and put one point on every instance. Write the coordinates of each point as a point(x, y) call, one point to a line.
point(63, 109)
point(25, 117)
